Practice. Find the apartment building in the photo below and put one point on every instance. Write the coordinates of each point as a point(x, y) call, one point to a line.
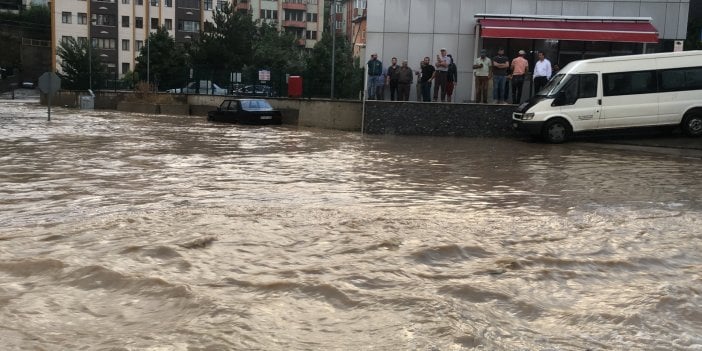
point(302, 18)
point(350, 20)
point(118, 28)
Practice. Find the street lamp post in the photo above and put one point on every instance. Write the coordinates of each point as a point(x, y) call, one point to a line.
point(333, 53)
point(148, 63)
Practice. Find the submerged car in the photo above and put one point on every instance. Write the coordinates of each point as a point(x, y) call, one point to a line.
point(246, 111)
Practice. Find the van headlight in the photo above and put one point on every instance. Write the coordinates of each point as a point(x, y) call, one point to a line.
point(528, 116)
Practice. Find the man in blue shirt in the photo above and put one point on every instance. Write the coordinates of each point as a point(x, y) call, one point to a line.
point(375, 73)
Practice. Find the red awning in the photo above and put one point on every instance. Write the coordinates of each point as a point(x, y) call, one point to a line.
point(637, 32)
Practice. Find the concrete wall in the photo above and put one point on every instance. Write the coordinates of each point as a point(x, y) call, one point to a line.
point(438, 119)
point(381, 117)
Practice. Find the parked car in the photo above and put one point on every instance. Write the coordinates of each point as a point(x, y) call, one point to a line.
point(27, 85)
point(246, 111)
point(205, 87)
point(256, 90)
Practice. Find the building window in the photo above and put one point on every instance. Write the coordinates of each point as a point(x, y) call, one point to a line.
point(312, 2)
point(139, 22)
point(125, 45)
point(154, 2)
point(169, 3)
point(104, 20)
point(189, 26)
point(66, 17)
point(292, 15)
point(83, 40)
point(269, 14)
point(140, 2)
point(125, 2)
point(311, 17)
point(208, 4)
point(105, 43)
point(359, 4)
point(311, 34)
point(168, 23)
point(125, 21)
point(82, 18)
point(125, 67)
point(297, 32)
point(339, 7)
point(138, 45)
point(65, 39)
point(154, 23)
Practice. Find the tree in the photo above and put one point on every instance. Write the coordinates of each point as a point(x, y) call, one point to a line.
point(226, 45)
point(76, 70)
point(348, 74)
point(167, 62)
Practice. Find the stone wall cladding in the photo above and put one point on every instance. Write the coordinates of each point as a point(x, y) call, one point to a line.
point(438, 119)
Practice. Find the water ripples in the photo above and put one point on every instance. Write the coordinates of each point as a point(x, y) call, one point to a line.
point(129, 232)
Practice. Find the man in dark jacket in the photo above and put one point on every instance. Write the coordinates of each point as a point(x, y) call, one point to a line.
point(404, 81)
point(392, 78)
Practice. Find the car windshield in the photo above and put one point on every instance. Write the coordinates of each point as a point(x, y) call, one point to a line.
point(255, 105)
point(554, 85)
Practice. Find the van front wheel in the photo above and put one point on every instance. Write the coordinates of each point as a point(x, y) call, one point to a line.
point(556, 131)
point(692, 124)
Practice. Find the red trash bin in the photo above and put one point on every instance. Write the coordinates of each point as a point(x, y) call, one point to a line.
point(294, 86)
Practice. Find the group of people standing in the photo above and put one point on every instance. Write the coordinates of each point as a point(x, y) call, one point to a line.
point(502, 71)
point(443, 74)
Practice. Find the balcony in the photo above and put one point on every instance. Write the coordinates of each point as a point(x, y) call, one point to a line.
point(242, 5)
point(295, 24)
point(295, 5)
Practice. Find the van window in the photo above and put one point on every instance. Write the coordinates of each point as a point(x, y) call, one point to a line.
point(629, 83)
point(588, 86)
point(681, 79)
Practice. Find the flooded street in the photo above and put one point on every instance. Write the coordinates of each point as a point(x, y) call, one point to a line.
point(125, 231)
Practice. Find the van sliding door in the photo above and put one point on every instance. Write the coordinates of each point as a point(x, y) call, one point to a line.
point(630, 99)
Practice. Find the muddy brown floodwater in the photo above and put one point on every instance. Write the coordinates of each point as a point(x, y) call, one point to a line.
point(124, 231)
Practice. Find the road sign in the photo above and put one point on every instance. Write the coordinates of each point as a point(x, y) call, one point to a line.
point(49, 83)
point(264, 75)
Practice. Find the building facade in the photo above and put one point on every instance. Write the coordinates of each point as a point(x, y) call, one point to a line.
point(118, 29)
point(565, 30)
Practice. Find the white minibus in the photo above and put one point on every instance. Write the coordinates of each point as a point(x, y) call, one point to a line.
point(646, 90)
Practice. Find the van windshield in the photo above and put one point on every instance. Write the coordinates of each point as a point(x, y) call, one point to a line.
point(554, 85)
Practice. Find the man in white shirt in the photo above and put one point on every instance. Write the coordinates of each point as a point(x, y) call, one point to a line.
point(542, 72)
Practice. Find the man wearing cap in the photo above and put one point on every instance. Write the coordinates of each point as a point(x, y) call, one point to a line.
point(442, 65)
point(500, 68)
point(375, 73)
point(520, 68)
point(482, 69)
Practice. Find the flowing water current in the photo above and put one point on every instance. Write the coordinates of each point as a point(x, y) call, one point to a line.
point(126, 231)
